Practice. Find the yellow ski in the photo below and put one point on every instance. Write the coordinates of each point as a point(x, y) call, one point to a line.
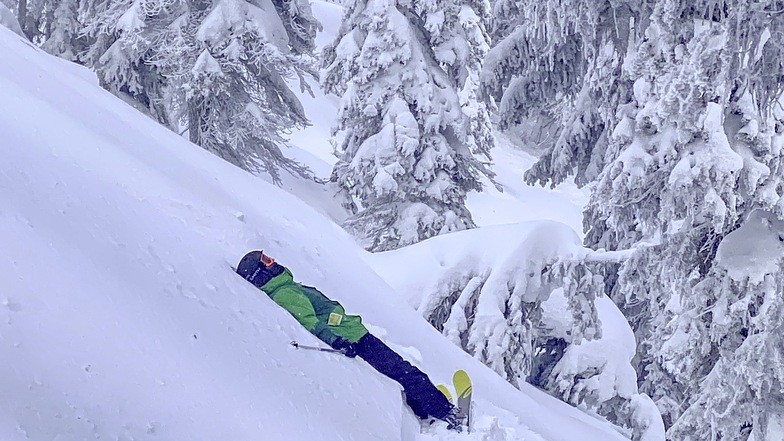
point(443, 389)
point(464, 390)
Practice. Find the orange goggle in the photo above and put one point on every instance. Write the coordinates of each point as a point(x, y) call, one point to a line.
point(266, 260)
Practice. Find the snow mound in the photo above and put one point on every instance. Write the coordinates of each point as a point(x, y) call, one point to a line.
point(755, 249)
point(504, 294)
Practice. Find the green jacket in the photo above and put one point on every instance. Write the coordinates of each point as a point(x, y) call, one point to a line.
point(325, 318)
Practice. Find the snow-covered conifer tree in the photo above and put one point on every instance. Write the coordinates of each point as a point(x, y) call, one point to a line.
point(62, 30)
point(30, 14)
point(141, 51)
point(217, 68)
point(733, 321)
point(690, 148)
point(528, 311)
point(239, 103)
point(561, 62)
point(410, 129)
point(695, 152)
point(53, 24)
point(300, 25)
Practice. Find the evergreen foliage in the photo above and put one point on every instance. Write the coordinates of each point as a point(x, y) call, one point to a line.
point(698, 151)
point(688, 147)
point(563, 61)
point(529, 312)
point(214, 68)
point(410, 129)
point(239, 103)
point(674, 108)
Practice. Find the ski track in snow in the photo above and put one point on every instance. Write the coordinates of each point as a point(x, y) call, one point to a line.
point(122, 319)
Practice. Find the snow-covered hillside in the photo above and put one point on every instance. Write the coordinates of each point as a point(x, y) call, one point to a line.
point(120, 316)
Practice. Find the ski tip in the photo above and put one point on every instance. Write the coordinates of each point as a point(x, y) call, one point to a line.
point(462, 383)
point(461, 376)
point(444, 390)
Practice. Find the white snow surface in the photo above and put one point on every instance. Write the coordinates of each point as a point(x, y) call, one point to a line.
point(131, 20)
point(120, 315)
point(753, 250)
point(232, 17)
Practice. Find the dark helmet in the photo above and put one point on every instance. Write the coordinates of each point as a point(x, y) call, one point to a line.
point(249, 264)
point(258, 268)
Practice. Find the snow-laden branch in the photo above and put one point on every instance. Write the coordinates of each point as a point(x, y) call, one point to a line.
point(524, 299)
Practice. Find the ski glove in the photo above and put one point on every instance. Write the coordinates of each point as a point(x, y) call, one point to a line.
point(345, 347)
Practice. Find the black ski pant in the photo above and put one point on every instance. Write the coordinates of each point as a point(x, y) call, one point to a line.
point(423, 398)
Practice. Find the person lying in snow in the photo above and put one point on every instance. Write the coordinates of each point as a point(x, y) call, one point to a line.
point(327, 320)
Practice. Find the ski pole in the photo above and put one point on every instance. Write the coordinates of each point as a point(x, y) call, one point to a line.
point(315, 348)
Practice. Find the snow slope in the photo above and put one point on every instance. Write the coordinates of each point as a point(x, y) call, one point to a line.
point(121, 319)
